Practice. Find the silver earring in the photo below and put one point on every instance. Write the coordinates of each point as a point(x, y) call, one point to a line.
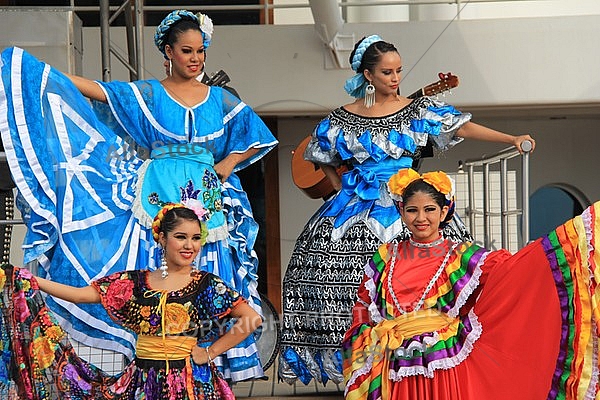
point(369, 95)
point(170, 67)
point(163, 264)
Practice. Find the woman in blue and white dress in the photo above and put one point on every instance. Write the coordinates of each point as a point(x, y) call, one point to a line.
point(91, 178)
point(377, 135)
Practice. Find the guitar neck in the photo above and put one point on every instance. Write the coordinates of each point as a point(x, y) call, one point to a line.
point(417, 94)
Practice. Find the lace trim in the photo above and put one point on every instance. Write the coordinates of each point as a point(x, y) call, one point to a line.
point(137, 208)
point(469, 287)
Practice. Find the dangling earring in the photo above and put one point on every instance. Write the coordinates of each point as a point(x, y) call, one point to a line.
point(163, 264)
point(369, 95)
point(170, 67)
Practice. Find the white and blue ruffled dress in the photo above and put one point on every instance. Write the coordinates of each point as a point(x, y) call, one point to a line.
point(327, 264)
point(91, 179)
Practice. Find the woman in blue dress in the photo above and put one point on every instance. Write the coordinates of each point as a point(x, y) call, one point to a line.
point(90, 179)
point(377, 135)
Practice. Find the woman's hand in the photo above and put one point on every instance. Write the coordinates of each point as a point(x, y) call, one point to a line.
point(200, 355)
point(518, 143)
point(225, 167)
point(247, 320)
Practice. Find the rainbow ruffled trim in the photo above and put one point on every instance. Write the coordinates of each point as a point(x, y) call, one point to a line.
point(573, 259)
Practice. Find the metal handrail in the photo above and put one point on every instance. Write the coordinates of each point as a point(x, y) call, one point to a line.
point(485, 162)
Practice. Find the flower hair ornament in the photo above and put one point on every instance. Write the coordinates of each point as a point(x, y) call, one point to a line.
point(195, 205)
point(162, 30)
point(438, 179)
point(356, 85)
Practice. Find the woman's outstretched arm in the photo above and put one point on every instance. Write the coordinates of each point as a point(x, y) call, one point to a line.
point(86, 294)
point(88, 88)
point(471, 130)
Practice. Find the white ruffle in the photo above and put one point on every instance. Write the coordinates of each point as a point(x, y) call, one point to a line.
point(137, 208)
point(469, 287)
point(444, 363)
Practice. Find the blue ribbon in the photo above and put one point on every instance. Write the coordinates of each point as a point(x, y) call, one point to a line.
point(363, 183)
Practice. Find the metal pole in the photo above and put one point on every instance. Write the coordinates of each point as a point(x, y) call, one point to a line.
point(131, 45)
point(105, 38)
point(471, 175)
point(139, 42)
point(486, 206)
point(504, 202)
point(526, 146)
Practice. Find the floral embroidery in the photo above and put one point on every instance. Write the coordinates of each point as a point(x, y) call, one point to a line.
point(144, 327)
point(119, 292)
point(153, 198)
point(73, 376)
point(55, 333)
point(21, 307)
point(145, 311)
point(43, 351)
point(177, 319)
point(210, 180)
point(218, 301)
point(221, 288)
point(188, 191)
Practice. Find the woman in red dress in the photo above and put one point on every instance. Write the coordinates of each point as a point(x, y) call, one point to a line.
point(442, 320)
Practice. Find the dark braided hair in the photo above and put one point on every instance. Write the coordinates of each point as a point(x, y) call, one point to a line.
point(372, 54)
point(179, 27)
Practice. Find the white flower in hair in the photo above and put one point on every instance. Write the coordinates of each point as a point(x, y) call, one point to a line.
point(206, 25)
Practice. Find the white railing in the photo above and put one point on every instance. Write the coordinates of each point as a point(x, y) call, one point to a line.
point(485, 163)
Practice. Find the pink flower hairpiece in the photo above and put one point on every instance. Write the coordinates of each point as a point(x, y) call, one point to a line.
point(198, 208)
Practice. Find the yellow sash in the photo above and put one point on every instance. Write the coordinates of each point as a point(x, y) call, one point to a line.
point(387, 336)
point(165, 348)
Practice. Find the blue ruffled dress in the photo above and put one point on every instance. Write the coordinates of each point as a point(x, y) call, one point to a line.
point(327, 264)
point(91, 178)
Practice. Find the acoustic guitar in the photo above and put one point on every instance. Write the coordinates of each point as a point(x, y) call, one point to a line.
point(310, 178)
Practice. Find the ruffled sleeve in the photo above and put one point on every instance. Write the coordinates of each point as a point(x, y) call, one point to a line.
point(323, 146)
point(244, 129)
point(217, 299)
point(116, 295)
point(440, 121)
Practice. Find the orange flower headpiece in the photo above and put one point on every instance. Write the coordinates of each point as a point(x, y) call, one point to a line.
point(438, 179)
point(195, 206)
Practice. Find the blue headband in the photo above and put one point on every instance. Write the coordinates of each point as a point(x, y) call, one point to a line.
point(355, 86)
point(162, 30)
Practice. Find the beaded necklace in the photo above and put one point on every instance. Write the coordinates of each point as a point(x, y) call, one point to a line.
point(427, 245)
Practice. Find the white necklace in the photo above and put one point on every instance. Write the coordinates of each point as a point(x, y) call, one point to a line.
point(428, 245)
